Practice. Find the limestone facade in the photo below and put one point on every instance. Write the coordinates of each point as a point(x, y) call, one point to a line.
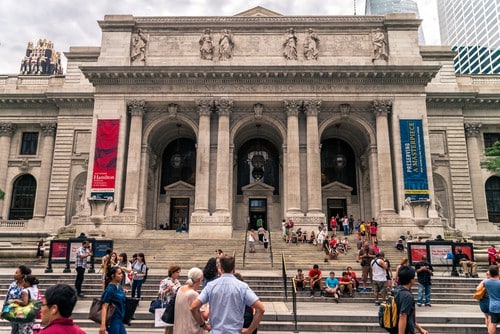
point(227, 119)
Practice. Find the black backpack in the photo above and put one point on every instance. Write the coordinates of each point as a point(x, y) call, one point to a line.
point(145, 274)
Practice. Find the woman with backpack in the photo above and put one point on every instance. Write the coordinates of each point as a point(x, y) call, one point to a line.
point(139, 271)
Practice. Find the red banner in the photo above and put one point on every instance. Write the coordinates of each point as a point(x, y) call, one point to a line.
point(106, 151)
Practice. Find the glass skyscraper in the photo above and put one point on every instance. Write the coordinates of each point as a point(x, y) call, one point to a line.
point(472, 28)
point(382, 7)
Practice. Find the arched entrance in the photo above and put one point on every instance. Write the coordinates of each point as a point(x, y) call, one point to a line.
point(345, 170)
point(171, 174)
point(258, 177)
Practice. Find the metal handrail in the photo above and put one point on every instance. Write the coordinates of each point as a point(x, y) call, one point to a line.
point(270, 245)
point(294, 307)
point(294, 292)
point(244, 247)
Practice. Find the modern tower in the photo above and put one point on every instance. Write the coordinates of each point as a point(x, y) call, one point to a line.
point(382, 7)
point(472, 28)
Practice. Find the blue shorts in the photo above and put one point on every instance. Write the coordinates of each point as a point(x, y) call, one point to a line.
point(494, 317)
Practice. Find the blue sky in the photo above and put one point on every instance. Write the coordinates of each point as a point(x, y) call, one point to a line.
point(70, 23)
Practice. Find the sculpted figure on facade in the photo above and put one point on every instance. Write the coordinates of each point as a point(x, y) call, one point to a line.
point(226, 45)
point(311, 45)
point(290, 45)
point(206, 45)
point(380, 50)
point(138, 50)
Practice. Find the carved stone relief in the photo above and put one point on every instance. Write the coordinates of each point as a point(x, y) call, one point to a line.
point(138, 48)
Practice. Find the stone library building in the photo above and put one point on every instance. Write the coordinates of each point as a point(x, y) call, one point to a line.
point(210, 124)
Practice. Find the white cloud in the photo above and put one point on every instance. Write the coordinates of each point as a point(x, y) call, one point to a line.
point(70, 23)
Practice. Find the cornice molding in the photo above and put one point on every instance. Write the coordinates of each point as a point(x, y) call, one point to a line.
point(163, 74)
point(463, 99)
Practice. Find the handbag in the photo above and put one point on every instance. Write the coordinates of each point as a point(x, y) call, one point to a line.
point(169, 314)
point(21, 314)
point(156, 303)
point(130, 307)
point(478, 295)
point(96, 311)
point(158, 321)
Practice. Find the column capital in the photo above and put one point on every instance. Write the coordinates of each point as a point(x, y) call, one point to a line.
point(312, 107)
point(381, 107)
point(292, 107)
point(136, 107)
point(205, 107)
point(48, 129)
point(224, 107)
point(7, 129)
point(472, 129)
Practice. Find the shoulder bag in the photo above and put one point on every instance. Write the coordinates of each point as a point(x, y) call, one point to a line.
point(478, 295)
point(169, 314)
point(96, 311)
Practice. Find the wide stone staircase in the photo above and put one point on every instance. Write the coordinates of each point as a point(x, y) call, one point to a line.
point(453, 310)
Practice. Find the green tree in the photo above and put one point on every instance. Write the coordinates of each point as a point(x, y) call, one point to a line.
point(493, 163)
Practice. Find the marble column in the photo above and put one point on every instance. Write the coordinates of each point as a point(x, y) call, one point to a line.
point(6, 132)
point(137, 109)
point(312, 109)
point(42, 191)
point(224, 109)
point(292, 109)
point(477, 186)
point(381, 109)
point(203, 157)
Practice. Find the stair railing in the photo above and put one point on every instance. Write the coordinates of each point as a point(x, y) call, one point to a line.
point(284, 275)
point(294, 292)
point(270, 245)
point(244, 247)
point(294, 307)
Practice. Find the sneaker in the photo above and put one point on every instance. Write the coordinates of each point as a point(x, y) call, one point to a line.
point(336, 300)
point(377, 302)
point(363, 290)
point(428, 304)
point(81, 295)
point(419, 304)
point(312, 296)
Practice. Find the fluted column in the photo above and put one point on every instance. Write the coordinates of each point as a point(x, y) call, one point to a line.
point(312, 109)
point(6, 132)
point(137, 109)
point(381, 109)
point(224, 109)
point(203, 157)
point(292, 109)
point(42, 191)
point(477, 187)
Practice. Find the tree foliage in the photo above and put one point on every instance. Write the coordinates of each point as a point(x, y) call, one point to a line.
point(493, 163)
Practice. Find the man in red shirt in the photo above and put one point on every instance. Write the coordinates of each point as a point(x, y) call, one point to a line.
point(315, 279)
point(346, 282)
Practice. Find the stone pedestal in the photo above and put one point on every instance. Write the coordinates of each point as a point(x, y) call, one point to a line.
point(98, 209)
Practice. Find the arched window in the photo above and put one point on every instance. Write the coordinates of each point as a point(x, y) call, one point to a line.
point(493, 198)
point(23, 197)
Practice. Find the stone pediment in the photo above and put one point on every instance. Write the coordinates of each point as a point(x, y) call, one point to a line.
point(179, 186)
point(258, 11)
point(257, 186)
point(337, 187)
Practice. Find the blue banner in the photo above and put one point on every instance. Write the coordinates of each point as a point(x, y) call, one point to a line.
point(416, 185)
